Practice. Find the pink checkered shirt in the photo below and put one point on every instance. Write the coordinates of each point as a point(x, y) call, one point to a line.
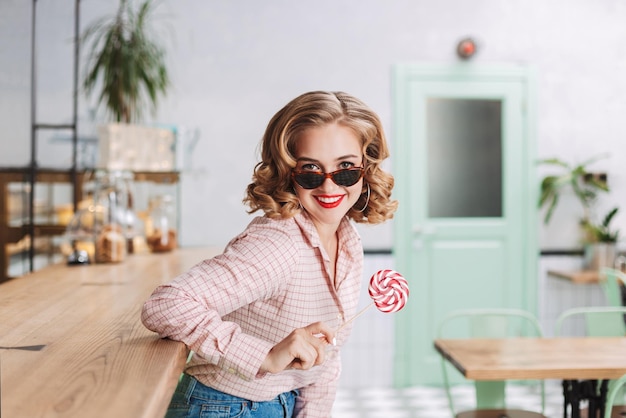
point(232, 309)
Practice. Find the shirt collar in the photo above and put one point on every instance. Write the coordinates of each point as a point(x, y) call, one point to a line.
point(345, 231)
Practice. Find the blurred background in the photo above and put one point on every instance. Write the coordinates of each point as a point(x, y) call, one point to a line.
point(233, 64)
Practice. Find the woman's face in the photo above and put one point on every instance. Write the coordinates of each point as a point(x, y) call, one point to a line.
point(328, 148)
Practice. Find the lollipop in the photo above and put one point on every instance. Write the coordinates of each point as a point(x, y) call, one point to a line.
point(389, 290)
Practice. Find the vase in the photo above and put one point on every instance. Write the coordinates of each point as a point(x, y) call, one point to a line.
point(598, 255)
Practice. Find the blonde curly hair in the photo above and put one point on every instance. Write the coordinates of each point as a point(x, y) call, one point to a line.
point(272, 189)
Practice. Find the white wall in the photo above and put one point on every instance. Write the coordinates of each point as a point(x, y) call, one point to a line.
point(235, 63)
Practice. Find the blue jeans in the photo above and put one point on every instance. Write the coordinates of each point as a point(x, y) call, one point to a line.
point(193, 399)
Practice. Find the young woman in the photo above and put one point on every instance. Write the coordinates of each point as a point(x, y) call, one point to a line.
point(263, 318)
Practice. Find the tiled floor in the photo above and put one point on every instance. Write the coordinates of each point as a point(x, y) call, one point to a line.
point(428, 402)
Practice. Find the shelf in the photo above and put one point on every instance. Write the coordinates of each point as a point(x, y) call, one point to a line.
point(14, 231)
point(165, 177)
point(43, 175)
point(577, 277)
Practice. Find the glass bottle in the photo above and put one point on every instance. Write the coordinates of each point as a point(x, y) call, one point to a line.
point(160, 226)
point(111, 226)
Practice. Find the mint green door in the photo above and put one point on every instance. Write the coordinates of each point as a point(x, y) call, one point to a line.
point(465, 232)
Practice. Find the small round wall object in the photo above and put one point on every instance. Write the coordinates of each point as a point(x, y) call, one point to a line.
point(466, 48)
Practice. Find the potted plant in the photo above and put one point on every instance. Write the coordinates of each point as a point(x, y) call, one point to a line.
point(582, 182)
point(126, 66)
point(601, 232)
point(600, 242)
point(127, 71)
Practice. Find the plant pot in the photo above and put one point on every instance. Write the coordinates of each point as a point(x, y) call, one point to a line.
point(135, 147)
point(600, 254)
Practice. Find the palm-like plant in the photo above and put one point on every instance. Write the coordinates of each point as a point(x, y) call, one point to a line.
point(125, 63)
point(601, 232)
point(584, 185)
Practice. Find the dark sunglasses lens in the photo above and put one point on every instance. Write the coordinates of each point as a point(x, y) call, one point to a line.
point(346, 177)
point(309, 180)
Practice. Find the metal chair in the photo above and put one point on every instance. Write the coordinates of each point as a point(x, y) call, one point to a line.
point(611, 409)
point(599, 321)
point(612, 283)
point(489, 323)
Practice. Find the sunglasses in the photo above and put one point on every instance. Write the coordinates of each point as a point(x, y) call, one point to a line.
point(313, 179)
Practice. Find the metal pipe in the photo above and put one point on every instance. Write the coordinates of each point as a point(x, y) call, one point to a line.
point(33, 139)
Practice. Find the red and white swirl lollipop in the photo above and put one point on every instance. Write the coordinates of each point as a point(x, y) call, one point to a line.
point(389, 290)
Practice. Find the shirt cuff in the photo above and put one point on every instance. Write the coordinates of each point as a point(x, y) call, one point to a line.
point(245, 355)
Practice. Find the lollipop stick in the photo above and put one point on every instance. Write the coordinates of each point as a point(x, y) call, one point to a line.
point(355, 316)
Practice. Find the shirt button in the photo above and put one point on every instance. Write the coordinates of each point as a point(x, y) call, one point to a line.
point(231, 370)
point(340, 317)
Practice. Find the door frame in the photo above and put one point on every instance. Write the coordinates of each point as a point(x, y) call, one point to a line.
point(403, 76)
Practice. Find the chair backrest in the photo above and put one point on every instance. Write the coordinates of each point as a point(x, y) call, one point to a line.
point(614, 396)
point(612, 281)
point(487, 323)
point(599, 321)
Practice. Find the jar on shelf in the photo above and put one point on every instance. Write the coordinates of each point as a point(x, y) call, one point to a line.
point(80, 235)
point(112, 224)
point(160, 225)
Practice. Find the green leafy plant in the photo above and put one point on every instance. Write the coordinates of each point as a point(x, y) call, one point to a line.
point(125, 64)
point(601, 232)
point(582, 182)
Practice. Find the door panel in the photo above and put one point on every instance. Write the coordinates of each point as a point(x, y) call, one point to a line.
point(463, 230)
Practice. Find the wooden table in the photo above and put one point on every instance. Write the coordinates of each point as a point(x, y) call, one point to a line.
point(90, 355)
point(569, 359)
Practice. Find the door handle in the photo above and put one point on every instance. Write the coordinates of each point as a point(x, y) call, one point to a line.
point(423, 230)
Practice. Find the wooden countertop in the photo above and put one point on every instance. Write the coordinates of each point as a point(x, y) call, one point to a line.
point(90, 355)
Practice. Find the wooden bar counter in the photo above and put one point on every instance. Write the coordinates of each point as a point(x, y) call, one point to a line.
point(72, 343)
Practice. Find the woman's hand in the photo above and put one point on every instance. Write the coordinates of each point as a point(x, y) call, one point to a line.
point(302, 349)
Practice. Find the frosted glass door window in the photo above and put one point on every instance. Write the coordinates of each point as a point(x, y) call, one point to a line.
point(464, 138)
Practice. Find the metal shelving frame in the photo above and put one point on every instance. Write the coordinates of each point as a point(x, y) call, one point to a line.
point(33, 173)
point(36, 126)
